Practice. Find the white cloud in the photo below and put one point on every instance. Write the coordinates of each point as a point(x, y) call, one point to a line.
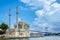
point(39, 13)
point(56, 5)
point(49, 13)
point(25, 1)
point(38, 3)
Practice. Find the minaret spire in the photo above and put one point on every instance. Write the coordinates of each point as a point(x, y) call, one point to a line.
point(16, 30)
point(17, 15)
point(9, 18)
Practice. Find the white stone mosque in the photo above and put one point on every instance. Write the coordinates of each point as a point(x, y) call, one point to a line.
point(21, 29)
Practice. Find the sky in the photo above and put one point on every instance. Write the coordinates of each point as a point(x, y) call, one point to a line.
point(38, 13)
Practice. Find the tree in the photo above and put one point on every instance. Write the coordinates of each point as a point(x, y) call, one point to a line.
point(3, 28)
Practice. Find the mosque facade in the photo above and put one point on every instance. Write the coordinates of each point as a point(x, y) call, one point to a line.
point(21, 29)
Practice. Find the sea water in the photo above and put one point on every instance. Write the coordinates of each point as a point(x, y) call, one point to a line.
point(39, 38)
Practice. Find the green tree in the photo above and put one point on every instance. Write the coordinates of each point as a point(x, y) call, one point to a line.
point(3, 28)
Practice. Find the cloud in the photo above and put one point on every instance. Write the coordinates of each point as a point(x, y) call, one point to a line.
point(25, 1)
point(39, 13)
point(37, 3)
point(48, 14)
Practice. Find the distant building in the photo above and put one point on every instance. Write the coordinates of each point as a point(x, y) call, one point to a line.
point(22, 31)
point(37, 34)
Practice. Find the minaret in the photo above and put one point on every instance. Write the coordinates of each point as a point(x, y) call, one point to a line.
point(9, 18)
point(16, 30)
point(17, 16)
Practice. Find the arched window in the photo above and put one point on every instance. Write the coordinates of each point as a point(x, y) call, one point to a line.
point(19, 26)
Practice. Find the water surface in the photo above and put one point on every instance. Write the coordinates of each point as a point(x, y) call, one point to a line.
point(40, 38)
